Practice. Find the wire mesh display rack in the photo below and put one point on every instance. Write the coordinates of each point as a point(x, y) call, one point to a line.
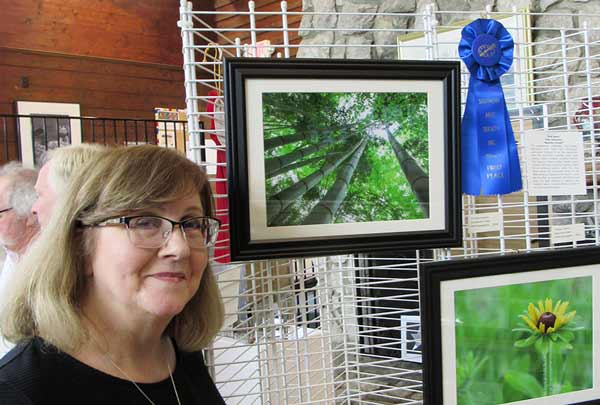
point(345, 329)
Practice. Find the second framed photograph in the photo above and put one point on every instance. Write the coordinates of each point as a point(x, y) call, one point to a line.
point(341, 156)
point(519, 329)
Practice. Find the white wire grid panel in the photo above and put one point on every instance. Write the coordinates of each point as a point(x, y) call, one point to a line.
point(345, 329)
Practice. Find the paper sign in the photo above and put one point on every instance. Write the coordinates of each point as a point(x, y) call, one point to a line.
point(567, 233)
point(486, 222)
point(555, 163)
point(262, 49)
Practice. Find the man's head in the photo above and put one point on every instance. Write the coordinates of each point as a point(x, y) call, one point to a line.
point(17, 194)
point(55, 174)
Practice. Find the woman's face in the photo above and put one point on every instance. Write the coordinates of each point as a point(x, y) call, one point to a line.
point(125, 280)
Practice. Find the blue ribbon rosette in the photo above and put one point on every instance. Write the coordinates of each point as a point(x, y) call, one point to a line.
point(490, 162)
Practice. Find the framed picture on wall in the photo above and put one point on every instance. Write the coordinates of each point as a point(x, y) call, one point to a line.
point(516, 83)
point(338, 156)
point(410, 338)
point(512, 329)
point(44, 126)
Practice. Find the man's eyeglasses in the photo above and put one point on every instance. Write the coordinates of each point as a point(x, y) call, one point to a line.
point(153, 231)
point(5, 210)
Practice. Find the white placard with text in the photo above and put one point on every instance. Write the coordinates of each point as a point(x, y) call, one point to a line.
point(555, 163)
point(567, 233)
point(484, 222)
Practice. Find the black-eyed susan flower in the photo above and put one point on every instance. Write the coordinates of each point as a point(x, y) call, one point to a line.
point(547, 319)
point(550, 328)
point(547, 322)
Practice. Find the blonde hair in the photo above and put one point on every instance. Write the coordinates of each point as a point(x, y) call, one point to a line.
point(47, 296)
point(65, 161)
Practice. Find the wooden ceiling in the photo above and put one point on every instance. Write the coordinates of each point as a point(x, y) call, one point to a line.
point(233, 20)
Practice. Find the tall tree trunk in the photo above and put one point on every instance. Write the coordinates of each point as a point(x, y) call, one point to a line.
point(283, 217)
point(313, 132)
point(279, 126)
point(296, 165)
point(291, 109)
point(298, 136)
point(325, 210)
point(277, 162)
point(416, 176)
point(280, 201)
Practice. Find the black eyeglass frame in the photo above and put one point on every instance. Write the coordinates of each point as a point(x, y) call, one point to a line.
point(125, 220)
point(10, 208)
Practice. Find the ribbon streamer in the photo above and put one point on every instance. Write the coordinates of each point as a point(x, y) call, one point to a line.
point(490, 162)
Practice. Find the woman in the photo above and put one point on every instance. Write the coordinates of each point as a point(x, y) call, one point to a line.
point(116, 298)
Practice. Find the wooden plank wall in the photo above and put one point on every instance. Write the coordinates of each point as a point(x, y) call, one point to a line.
point(233, 20)
point(116, 58)
point(136, 30)
point(102, 87)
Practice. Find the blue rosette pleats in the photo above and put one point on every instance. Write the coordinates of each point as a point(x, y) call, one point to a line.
point(490, 160)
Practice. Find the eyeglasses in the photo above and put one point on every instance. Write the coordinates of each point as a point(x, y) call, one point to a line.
point(153, 231)
point(5, 210)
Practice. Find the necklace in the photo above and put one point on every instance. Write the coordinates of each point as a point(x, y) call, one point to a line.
point(138, 387)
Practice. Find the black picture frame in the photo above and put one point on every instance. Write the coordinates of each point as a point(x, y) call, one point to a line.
point(447, 286)
point(247, 80)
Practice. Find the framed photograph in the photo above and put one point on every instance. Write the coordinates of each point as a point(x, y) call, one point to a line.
point(519, 329)
point(410, 338)
point(45, 126)
point(339, 156)
point(516, 83)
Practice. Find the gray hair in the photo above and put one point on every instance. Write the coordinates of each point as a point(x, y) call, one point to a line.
point(21, 191)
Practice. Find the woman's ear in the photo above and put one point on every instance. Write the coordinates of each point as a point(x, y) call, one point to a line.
point(32, 222)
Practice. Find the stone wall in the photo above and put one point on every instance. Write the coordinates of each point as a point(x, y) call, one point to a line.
point(354, 28)
point(361, 30)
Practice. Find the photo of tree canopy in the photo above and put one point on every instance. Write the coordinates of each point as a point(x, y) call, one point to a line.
point(345, 157)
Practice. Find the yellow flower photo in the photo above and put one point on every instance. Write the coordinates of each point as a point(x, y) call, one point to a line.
point(523, 341)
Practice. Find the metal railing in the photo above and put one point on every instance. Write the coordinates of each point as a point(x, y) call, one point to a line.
point(45, 132)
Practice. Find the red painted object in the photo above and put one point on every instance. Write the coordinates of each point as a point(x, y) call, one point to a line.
point(222, 245)
point(581, 118)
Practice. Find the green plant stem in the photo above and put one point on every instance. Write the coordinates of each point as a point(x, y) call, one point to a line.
point(547, 359)
point(550, 380)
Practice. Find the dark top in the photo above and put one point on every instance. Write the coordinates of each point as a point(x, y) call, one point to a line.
point(37, 373)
